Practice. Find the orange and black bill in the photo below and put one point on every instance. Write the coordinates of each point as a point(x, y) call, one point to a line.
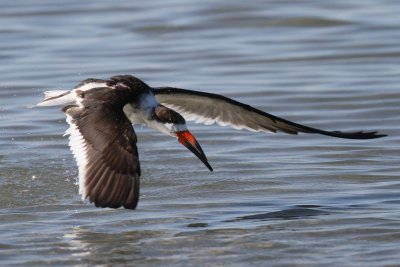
point(188, 140)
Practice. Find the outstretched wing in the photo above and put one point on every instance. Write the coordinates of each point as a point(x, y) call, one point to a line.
point(211, 108)
point(104, 145)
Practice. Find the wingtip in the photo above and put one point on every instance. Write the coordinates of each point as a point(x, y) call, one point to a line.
point(210, 168)
point(114, 205)
point(358, 135)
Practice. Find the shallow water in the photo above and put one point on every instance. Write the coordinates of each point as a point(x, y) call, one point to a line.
point(275, 200)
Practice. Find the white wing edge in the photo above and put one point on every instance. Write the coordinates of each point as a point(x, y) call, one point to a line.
point(78, 147)
point(189, 116)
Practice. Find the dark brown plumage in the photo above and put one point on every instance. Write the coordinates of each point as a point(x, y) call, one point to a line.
point(101, 113)
point(113, 169)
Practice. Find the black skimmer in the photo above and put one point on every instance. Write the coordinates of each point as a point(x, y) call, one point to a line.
point(100, 114)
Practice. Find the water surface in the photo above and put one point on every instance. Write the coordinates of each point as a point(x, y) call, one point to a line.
point(273, 199)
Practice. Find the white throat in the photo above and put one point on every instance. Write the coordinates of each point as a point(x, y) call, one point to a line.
point(143, 114)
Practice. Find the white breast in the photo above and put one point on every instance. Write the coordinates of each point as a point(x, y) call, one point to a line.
point(133, 114)
point(141, 113)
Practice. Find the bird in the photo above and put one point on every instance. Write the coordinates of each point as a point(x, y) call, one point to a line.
point(101, 112)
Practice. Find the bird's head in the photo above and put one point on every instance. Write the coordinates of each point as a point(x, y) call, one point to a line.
point(172, 123)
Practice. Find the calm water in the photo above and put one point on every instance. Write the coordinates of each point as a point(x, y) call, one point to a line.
point(273, 200)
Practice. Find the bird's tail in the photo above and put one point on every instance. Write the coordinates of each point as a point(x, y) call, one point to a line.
point(58, 97)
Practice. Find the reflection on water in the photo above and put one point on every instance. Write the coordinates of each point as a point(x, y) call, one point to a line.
point(111, 248)
point(272, 199)
point(289, 214)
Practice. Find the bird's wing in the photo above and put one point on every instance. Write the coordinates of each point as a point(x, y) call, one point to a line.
point(211, 108)
point(104, 145)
